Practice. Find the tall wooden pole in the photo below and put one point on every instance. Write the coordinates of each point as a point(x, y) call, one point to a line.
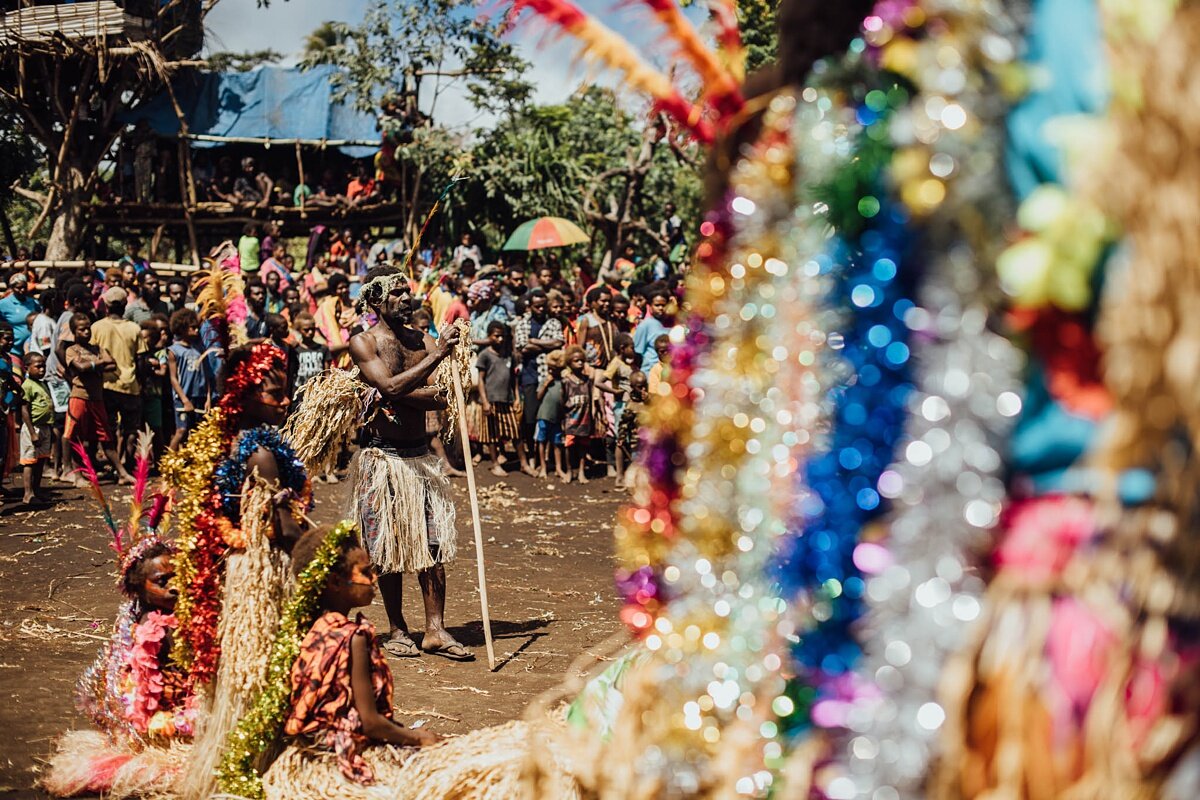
point(470, 467)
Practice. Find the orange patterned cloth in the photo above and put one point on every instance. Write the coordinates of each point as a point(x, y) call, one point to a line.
point(322, 700)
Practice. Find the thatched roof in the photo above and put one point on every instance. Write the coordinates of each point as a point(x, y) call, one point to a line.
point(84, 20)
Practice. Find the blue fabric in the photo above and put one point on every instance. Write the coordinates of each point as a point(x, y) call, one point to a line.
point(271, 102)
point(15, 312)
point(1069, 77)
point(644, 335)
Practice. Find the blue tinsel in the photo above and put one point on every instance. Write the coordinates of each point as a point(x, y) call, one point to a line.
point(816, 559)
point(231, 474)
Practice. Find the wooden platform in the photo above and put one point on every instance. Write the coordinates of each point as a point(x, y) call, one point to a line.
point(210, 215)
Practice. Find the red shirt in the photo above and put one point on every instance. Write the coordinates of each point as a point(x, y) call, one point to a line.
point(359, 188)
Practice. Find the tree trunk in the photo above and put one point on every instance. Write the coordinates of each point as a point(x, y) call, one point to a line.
point(69, 217)
point(9, 240)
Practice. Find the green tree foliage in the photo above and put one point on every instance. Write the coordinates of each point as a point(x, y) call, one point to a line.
point(572, 160)
point(420, 45)
point(756, 19)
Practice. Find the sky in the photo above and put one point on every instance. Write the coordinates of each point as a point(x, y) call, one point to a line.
point(240, 26)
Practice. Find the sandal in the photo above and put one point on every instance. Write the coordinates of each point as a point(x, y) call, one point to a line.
point(453, 651)
point(400, 645)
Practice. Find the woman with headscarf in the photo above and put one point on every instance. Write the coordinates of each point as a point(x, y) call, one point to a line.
point(336, 318)
point(481, 300)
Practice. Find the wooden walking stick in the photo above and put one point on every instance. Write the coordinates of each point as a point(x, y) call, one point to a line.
point(470, 468)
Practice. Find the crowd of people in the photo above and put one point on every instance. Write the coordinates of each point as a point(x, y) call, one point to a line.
point(563, 356)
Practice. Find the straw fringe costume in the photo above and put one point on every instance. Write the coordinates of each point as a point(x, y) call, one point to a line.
point(258, 582)
point(403, 506)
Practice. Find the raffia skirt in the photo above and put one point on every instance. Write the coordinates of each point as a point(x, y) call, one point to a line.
point(502, 425)
point(401, 501)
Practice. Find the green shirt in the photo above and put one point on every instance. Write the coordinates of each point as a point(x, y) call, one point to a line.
point(248, 253)
point(41, 407)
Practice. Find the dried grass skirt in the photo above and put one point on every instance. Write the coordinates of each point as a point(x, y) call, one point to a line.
point(404, 510)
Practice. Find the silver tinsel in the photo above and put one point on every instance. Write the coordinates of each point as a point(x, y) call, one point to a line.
point(946, 484)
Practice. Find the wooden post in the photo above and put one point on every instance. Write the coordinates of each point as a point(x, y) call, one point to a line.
point(470, 468)
point(187, 193)
point(300, 177)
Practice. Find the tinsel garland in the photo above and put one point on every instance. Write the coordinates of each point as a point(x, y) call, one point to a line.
point(946, 486)
point(203, 535)
point(200, 541)
point(231, 474)
point(98, 691)
point(263, 723)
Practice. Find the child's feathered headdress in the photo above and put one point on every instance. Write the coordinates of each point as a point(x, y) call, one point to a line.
point(220, 299)
point(139, 532)
point(720, 71)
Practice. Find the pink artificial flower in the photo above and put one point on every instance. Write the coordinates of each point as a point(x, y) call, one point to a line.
point(1041, 536)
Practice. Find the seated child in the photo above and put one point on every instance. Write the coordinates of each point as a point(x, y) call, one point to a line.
point(341, 684)
point(142, 704)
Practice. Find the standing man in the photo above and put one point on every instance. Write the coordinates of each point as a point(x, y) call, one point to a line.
point(123, 341)
point(400, 497)
point(535, 334)
point(148, 300)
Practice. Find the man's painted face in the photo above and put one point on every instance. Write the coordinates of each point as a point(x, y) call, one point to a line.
point(157, 591)
point(398, 304)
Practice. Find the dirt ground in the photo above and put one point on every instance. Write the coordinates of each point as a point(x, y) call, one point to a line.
point(549, 568)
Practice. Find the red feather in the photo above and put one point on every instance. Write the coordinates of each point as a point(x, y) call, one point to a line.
point(88, 470)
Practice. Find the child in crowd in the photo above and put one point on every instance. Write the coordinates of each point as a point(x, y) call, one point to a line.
point(496, 394)
point(629, 426)
point(341, 685)
point(152, 368)
point(37, 426)
point(660, 371)
point(10, 399)
point(422, 320)
point(280, 335)
point(578, 419)
point(87, 420)
point(193, 382)
point(548, 433)
point(616, 381)
point(312, 357)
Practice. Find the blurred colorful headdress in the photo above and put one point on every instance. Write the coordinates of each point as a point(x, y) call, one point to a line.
point(135, 536)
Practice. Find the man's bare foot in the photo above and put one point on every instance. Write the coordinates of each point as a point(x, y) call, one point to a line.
point(531, 472)
point(583, 478)
point(441, 643)
point(565, 477)
point(620, 484)
point(81, 483)
point(541, 473)
point(454, 473)
point(499, 471)
point(125, 480)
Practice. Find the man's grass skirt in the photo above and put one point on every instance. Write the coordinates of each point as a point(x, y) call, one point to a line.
point(401, 500)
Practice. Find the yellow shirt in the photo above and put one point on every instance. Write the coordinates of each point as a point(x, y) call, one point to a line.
point(123, 341)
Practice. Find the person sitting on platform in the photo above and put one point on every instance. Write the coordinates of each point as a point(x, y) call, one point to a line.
point(253, 187)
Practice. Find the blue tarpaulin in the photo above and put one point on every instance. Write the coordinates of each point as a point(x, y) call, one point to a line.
point(268, 102)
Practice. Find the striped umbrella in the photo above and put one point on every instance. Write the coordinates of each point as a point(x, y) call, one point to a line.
point(545, 232)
